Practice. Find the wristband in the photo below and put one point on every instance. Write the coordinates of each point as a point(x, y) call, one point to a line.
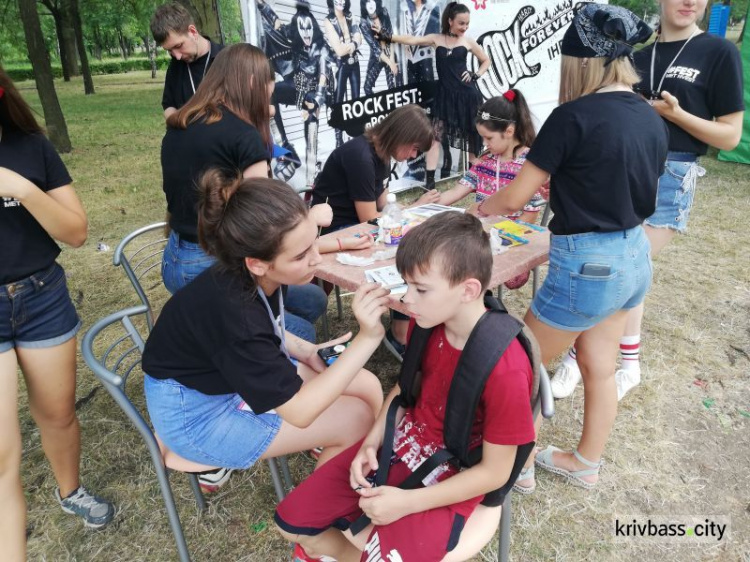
point(474, 76)
point(341, 246)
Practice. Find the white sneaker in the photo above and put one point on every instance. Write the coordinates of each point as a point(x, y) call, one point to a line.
point(565, 380)
point(626, 379)
point(211, 481)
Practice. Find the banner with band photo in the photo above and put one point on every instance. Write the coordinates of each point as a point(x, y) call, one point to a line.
point(335, 78)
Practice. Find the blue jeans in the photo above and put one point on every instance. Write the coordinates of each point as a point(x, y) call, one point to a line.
point(36, 312)
point(214, 430)
point(573, 301)
point(183, 261)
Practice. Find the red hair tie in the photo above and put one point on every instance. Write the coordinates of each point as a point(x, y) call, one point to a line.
point(510, 95)
point(2, 92)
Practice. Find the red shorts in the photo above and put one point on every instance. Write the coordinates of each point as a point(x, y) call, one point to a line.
point(326, 499)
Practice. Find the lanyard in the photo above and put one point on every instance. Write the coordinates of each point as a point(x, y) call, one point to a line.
point(205, 68)
point(653, 59)
point(279, 326)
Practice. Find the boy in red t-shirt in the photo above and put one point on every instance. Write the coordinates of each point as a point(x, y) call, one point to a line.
point(447, 263)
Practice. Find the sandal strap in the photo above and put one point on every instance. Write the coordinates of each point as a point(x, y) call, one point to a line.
point(593, 465)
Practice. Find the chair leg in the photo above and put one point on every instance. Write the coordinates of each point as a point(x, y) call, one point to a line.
point(324, 317)
point(503, 542)
point(535, 281)
point(197, 492)
point(288, 482)
point(276, 477)
point(337, 289)
point(162, 477)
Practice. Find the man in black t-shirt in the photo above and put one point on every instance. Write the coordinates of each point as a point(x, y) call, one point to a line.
point(192, 53)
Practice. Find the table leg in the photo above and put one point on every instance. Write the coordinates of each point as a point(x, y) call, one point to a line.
point(324, 318)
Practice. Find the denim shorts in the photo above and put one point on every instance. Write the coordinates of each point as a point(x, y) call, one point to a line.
point(37, 312)
point(216, 430)
point(572, 301)
point(676, 192)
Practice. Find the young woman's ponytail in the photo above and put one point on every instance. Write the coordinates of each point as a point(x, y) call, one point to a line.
point(500, 112)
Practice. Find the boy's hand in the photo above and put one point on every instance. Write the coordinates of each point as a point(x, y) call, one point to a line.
point(385, 504)
point(364, 462)
point(369, 304)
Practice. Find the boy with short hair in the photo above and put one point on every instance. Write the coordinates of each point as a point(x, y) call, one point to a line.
point(447, 263)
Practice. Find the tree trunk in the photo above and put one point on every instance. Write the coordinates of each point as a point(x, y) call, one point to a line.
point(71, 6)
point(121, 43)
point(98, 47)
point(45, 85)
point(206, 17)
point(150, 51)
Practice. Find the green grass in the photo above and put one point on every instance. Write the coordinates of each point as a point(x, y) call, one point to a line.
point(669, 454)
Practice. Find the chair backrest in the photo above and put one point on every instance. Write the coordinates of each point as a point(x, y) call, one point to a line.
point(140, 255)
point(112, 349)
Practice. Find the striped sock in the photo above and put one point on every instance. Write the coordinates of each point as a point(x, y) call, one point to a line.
point(570, 358)
point(630, 350)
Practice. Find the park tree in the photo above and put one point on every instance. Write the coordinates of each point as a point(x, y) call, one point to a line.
point(206, 14)
point(88, 81)
point(66, 37)
point(45, 85)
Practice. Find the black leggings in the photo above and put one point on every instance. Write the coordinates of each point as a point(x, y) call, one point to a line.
point(350, 73)
point(374, 67)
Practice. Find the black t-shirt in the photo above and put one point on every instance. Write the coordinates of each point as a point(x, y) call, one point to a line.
point(230, 144)
point(605, 153)
point(25, 247)
point(177, 87)
point(353, 172)
point(215, 337)
point(706, 79)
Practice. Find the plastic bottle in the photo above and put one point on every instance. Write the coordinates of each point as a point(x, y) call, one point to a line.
point(391, 221)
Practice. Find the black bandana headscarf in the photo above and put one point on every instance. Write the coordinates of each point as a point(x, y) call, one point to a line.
point(601, 30)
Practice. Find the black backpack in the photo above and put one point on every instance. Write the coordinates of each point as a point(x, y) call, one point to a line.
point(489, 339)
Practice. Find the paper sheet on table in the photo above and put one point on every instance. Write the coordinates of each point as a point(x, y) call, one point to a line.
point(348, 259)
point(388, 277)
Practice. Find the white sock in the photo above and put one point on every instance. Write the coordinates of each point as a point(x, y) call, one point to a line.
point(630, 350)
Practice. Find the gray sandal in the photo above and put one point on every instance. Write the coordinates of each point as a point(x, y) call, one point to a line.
point(525, 474)
point(544, 460)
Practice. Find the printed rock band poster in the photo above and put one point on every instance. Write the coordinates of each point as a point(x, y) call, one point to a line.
point(333, 80)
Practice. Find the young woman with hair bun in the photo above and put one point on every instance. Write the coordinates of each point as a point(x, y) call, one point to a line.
point(226, 385)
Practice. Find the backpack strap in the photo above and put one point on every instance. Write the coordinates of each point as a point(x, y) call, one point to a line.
point(410, 377)
point(488, 341)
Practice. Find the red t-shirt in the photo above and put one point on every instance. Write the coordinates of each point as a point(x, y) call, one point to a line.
point(503, 417)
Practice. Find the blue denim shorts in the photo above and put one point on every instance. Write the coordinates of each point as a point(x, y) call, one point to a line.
point(676, 192)
point(183, 261)
point(37, 312)
point(572, 301)
point(213, 430)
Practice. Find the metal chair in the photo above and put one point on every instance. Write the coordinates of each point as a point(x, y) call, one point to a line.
point(142, 264)
point(112, 349)
point(545, 404)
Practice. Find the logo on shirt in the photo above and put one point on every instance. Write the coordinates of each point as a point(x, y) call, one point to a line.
point(683, 73)
point(11, 202)
point(372, 549)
